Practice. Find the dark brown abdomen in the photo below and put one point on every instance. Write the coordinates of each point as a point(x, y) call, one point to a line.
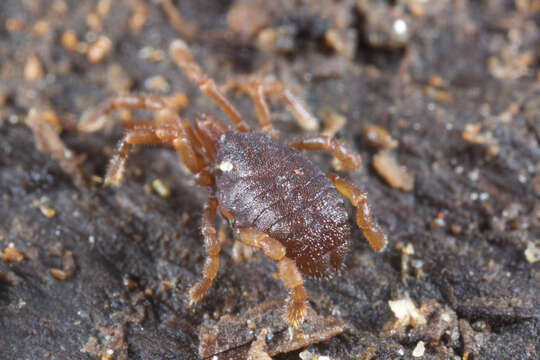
point(277, 190)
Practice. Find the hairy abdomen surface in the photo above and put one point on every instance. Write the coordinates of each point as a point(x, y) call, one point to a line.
point(279, 191)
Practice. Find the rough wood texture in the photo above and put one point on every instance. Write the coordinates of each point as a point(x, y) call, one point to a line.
point(455, 83)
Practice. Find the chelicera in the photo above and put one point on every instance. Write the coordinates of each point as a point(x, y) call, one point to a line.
point(274, 198)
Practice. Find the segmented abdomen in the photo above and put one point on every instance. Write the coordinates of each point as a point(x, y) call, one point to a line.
point(279, 191)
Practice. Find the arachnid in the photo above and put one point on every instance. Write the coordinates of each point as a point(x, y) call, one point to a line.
point(274, 198)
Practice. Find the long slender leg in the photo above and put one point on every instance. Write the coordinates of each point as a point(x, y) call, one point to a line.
point(255, 90)
point(304, 118)
point(258, 89)
point(348, 158)
point(288, 271)
point(371, 230)
point(94, 119)
point(152, 135)
point(212, 247)
point(181, 55)
point(166, 129)
point(188, 30)
point(134, 136)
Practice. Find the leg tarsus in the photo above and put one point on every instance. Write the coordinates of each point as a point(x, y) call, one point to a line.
point(212, 246)
point(296, 306)
point(304, 118)
point(135, 136)
point(287, 270)
point(364, 219)
point(292, 278)
point(94, 120)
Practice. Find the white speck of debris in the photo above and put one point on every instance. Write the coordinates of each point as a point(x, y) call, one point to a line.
point(214, 357)
point(408, 249)
point(446, 317)
point(484, 196)
point(91, 239)
point(419, 349)
point(68, 154)
point(474, 175)
point(400, 352)
point(110, 352)
point(400, 27)
point(13, 119)
point(406, 312)
point(308, 355)
point(474, 196)
point(522, 178)
point(291, 334)
point(459, 170)
point(21, 304)
point(532, 253)
point(225, 166)
point(440, 222)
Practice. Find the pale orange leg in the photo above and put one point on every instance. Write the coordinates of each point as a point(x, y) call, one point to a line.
point(181, 55)
point(144, 135)
point(348, 158)
point(94, 119)
point(288, 271)
point(255, 90)
point(166, 129)
point(117, 163)
point(259, 89)
point(304, 118)
point(371, 230)
point(212, 247)
point(187, 30)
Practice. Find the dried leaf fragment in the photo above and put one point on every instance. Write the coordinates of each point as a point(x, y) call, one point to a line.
point(257, 350)
point(232, 335)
